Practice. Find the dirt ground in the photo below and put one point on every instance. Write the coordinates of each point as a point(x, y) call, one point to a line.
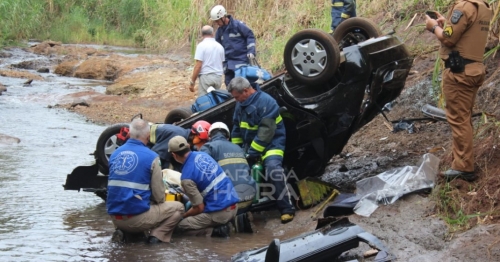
point(414, 227)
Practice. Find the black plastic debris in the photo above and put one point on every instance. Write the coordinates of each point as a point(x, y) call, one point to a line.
point(324, 244)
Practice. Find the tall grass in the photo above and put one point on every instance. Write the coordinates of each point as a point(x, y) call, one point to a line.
point(166, 24)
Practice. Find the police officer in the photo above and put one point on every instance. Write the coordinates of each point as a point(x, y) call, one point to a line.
point(258, 126)
point(237, 39)
point(341, 10)
point(463, 35)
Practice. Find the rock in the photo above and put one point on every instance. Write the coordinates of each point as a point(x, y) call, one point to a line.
point(8, 140)
point(2, 89)
point(27, 83)
point(31, 65)
point(97, 68)
point(44, 48)
point(66, 68)
point(5, 55)
point(43, 70)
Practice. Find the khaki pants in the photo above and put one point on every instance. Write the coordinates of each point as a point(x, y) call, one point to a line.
point(160, 219)
point(206, 220)
point(208, 80)
point(460, 91)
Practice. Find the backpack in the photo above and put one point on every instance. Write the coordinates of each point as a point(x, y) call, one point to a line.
point(211, 99)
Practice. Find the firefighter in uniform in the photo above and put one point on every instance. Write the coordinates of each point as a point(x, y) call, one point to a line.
point(237, 39)
point(259, 129)
point(341, 10)
point(232, 159)
point(463, 35)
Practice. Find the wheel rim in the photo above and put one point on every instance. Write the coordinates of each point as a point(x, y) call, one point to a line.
point(110, 146)
point(309, 57)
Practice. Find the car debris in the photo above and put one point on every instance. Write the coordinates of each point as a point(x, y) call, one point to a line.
point(326, 243)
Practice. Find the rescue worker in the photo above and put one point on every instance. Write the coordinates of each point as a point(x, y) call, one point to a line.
point(232, 159)
point(136, 193)
point(210, 191)
point(463, 35)
point(342, 10)
point(237, 39)
point(162, 133)
point(259, 129)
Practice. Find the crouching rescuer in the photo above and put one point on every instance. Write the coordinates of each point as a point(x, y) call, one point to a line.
point(136, 192)
point(210, 191)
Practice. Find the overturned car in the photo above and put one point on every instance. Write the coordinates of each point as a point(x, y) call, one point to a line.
point(332, 87)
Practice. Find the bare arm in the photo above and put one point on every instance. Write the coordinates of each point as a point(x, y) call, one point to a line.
point(196, 72)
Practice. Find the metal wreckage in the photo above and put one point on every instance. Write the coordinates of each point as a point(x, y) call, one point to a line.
point(333, 86)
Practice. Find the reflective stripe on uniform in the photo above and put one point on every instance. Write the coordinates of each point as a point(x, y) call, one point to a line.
point(128, 184)
point(213, 184)
point(257, 147)
point(235, 35)
point(250, 45)
point(245, 125)
point(274, 152)
point(338, 4)
point(345, 16)
point(237, 140)
point(152, 134)
point(278, 119)
point(229, 161)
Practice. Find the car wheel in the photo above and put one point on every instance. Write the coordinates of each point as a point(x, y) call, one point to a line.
point(311, 56)
point(106, 145)
point(355, 30)
point(178, 114)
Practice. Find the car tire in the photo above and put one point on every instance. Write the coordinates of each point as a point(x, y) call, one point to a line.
point(355, 30)
point(178, 114)
point(106, 145)
point(308, 64)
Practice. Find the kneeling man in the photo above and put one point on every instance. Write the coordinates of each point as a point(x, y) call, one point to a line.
point(209, 189)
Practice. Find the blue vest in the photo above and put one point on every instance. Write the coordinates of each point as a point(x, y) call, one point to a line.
point(129, 177)
point(232, 159)
point(214, 185)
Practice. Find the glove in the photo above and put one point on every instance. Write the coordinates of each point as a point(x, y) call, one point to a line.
point(253, 158)
point(187, 206)
point(250, 56)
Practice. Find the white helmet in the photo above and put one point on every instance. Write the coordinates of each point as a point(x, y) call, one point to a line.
point(218, 126)
point(217, 12)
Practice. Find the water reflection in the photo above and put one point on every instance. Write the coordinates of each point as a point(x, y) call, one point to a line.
point(39, 221)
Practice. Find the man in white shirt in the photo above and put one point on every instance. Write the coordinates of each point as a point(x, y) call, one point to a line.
point(209, 56)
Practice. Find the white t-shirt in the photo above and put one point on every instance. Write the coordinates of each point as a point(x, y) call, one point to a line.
point(211, 53)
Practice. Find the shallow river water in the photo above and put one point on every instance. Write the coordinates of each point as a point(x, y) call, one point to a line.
point(39, 220)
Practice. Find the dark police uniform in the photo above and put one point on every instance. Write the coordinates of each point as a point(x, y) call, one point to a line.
point(466, 31)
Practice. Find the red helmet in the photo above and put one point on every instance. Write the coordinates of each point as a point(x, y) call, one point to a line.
point(201, 128)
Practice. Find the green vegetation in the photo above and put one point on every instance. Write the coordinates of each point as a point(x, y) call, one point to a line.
point(168, 24)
